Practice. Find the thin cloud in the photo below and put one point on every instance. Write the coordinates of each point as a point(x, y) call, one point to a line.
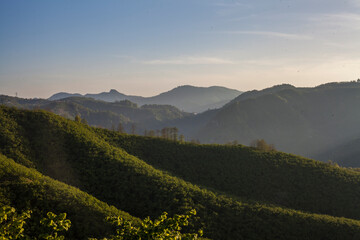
point(344, 20)
point(235, 4)
point(345, 16)
point(271, 34)
point(188, 61)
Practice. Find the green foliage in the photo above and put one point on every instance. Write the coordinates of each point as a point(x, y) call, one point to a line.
point(54, 224)
point(77, 118)
point(161, 228)
point(12, 223)
point(12, 227)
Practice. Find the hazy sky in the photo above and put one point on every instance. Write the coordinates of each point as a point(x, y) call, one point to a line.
point(145, 47)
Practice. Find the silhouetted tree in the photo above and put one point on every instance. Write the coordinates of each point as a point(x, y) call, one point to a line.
point(151, 133)
point(262, 145)
point(77, 118)
point(174, 133)
point(120, 128)
point(133, 128)
point(165, 133)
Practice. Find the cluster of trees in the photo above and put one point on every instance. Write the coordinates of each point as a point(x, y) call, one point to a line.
point(79, 119)
point(261, 144)
point(13, 226)
point(170, 133)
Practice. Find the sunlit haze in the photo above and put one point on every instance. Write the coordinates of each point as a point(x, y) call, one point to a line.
point(147, 47)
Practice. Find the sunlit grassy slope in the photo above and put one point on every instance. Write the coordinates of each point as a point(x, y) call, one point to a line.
point(118, 170)
point(26, 188)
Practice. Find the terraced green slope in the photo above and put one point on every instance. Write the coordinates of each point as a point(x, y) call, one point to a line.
point(76, 154)
point(274, 177)
point(25, 188)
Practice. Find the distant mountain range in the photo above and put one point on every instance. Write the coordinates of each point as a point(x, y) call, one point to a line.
point(320, 122)
point(104, 114)
point(305, 121)
point(186, 98)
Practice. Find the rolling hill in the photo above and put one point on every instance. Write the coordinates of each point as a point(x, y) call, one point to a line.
point(304, 121)
point(239, 192)
point(25, 188)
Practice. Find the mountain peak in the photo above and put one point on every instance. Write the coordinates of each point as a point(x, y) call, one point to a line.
point(113, 91)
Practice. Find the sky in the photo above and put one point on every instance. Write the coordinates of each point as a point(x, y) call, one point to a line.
point(145, 47)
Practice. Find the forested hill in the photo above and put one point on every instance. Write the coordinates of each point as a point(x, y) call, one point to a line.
point(104, 114)
point(187, 98)
point(239, 192)
point(304, 121)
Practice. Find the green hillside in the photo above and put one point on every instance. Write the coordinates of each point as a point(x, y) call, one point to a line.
point(274, 177)
point(92, 161)
point(25, 188)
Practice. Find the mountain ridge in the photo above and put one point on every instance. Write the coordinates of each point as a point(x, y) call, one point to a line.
point(187, 98)
point(303, 121)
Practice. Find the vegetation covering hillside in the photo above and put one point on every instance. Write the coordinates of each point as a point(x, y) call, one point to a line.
point(304, 121)
point(92, 161)
point(26, 188)
point(266, 176)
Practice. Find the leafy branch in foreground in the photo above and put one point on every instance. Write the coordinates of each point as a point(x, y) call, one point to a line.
point(163, 228)
point(54, 224)
point(12, 223)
